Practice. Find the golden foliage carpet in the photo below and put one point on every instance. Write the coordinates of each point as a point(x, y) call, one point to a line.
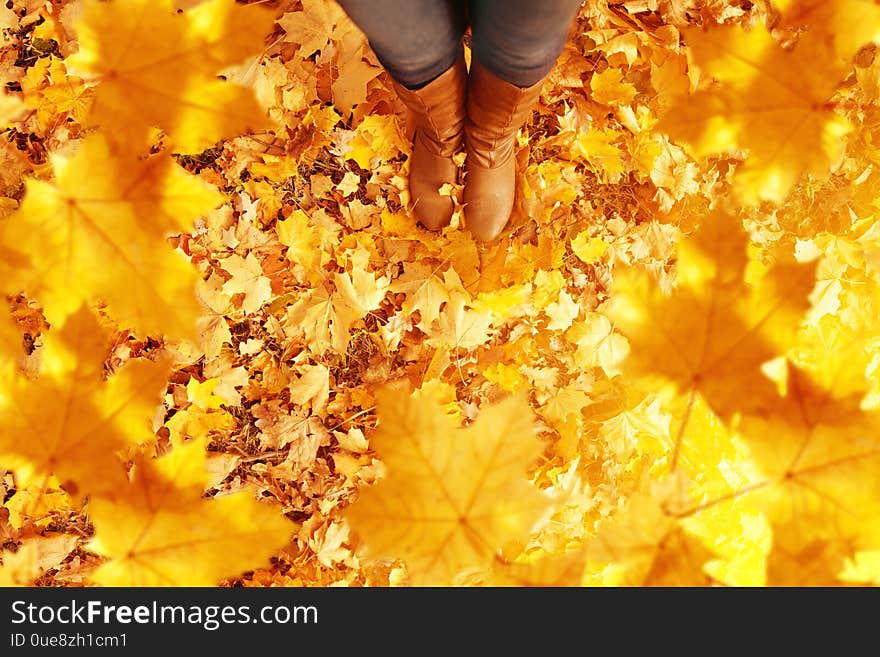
point(233, 357)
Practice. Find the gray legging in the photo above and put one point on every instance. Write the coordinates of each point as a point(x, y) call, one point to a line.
point(417, 40)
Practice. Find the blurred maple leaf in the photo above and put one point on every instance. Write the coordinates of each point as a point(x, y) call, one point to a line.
point(10, 348)
point(834, 27)
point(820, 454)
point(645, 544)
point(100, 417)
point(725, 318)
point(85, 234)
point(160, 531)
point(452, 497)
point(769, 100)
point(158, 67)
point(751, 460)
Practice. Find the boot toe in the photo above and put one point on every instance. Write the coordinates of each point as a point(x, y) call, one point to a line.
point(428, 173)
point(485, 233)
point(488, 197)
point(484, 226)
point(432, 211)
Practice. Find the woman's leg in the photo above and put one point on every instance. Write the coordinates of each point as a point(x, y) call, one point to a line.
point(515, 44)
point(415, 40)
point(520, 40)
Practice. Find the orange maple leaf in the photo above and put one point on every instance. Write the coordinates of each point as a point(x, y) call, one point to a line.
point(158, 67)
point(452, 497)
point(725, 318)
point(160, 531)
point(102, 237)
point(71, 422)
point(771, 101)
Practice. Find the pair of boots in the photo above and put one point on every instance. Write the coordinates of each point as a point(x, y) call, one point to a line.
point(485, 112)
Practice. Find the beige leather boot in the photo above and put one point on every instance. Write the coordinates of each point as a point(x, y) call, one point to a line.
point(438, 110)
point(496, 110)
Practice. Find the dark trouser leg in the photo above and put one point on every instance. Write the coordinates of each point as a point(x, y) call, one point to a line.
point(414, 40)
point(520, 40)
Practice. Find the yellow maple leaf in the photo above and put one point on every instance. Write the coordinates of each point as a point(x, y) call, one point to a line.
point(203, 414)
point(507, 377)
point(425, 292)
point(720, 324)
point(353, 73)
point(598, 344)
point(399, 224)
point(820, 455)
point(248, 280)
point(609, 88)
point(670, 79)
point(308, 244)
point(201, 393)
point(452, 497)
point(70, 422)
point(725, 518)
point(839, 27)
point(793, 454)
point(194, 421)
point(596, 148)
point(349, 183)
point(589, 249)
point(311, 318)
point(356, 294)
point(159, 530)
point(565, 401)
point(314, 26)
point(643, 429)
point(503, 303)
point(102, 237)
point(551, 184)
point(674, 173)
point(325, 319)
point(34, 501)
point(212, 327)
point(562, 312)
point(644, 544)
point(158, 67)
point(771, 101)
point(312, 387)
point(547, 286)
point(48, 89)
point(377, 138)
point(788, 492)
point(458, 324)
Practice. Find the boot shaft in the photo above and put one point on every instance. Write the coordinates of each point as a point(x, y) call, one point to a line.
point(438, 110)
point(496, 110)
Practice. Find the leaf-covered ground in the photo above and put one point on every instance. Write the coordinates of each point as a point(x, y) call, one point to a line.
point(664, 373)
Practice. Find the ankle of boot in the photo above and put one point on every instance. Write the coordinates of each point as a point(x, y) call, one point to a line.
point(487, 155)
